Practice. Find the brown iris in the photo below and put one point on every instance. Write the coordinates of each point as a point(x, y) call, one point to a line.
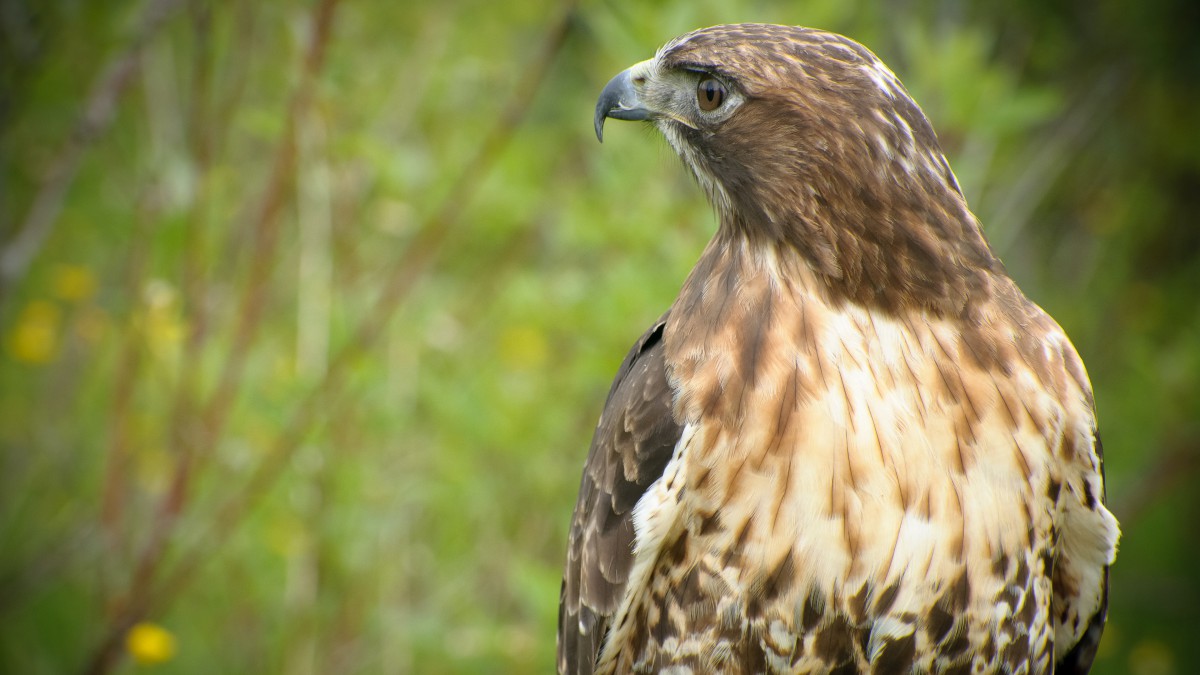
point(710, 93)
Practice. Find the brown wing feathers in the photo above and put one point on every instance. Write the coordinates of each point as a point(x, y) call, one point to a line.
point(633, 442)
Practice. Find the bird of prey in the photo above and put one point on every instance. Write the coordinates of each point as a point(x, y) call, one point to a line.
point(851, 445)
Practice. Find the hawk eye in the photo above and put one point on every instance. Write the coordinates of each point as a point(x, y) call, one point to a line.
point(710, 93)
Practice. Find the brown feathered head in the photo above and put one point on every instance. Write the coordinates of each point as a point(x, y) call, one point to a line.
point(805, 138)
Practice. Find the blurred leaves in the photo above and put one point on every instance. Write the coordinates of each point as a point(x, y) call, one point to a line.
point(308, 362)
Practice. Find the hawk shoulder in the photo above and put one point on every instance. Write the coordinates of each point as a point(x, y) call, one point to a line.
point(633, 442)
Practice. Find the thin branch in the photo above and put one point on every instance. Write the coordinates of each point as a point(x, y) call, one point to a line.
point(201, 144)
point(266, 227)
point(98, 113)
point(416, 260)
point(265, 238)
point(129, 367)
point(420, 255)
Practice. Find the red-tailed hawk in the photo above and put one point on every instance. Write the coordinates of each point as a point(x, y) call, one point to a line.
point(852, 445)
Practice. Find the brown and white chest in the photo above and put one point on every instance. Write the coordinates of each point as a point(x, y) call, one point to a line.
point(851, 485)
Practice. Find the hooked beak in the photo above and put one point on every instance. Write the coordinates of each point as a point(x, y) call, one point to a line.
point(619, 100)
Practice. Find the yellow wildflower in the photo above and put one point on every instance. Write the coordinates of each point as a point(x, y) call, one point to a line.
point(149, 643)
point(523, 348)
point(74, 282)
point(162, 326)
point(1151, 657)
point(34, 338)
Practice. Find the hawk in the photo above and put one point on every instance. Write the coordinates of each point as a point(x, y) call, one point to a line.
point(851, 445)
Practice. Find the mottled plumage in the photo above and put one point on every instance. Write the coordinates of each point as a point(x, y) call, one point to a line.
point(852, 445)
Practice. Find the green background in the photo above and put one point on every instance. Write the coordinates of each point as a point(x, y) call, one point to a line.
point(324, 300)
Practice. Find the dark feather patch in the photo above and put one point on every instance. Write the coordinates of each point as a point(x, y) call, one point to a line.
point(896, 656)
point(632, 444)
point(1078, 661)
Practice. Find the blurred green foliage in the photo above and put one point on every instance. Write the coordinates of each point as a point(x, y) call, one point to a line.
point(307, 366)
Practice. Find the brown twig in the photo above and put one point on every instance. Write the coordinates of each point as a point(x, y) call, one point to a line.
point(416, 260)
point(323, 399)
point(266, 227)
point(139, 597)
point(265, 242)
point(186, 425)
point(97, 115)
point(182, 426)
point(128, 371)
point(201, 144)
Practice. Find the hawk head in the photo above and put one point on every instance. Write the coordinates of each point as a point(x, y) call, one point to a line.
point(805, 139)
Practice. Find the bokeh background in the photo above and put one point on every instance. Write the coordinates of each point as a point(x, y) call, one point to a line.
point(308, 308)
